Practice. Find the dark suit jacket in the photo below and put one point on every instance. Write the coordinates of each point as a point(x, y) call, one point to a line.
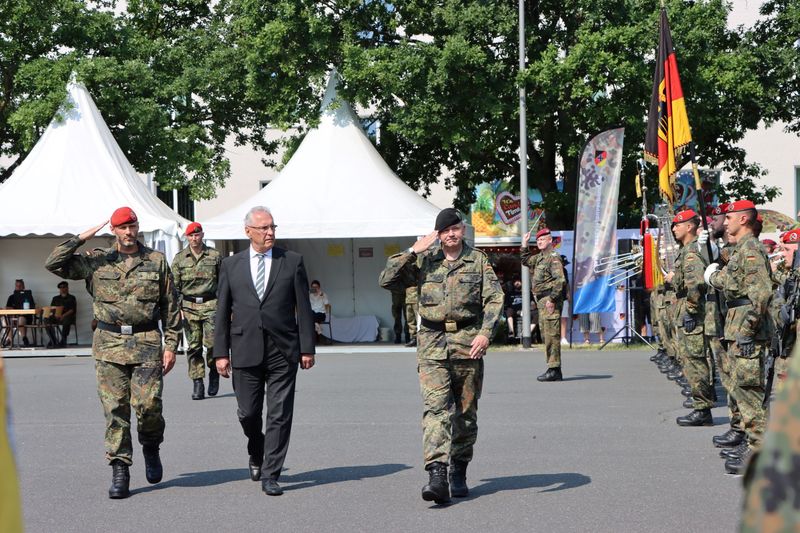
point(284, 312)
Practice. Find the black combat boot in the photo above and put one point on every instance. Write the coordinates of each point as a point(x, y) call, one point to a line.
point(412, 343)
point(732, 453)
point(698, 417)
point(729, 439)
point(545, 376)
point(437, 489)
point(737, 465)
point(675, 374)
point(213, 381)
point(458, 479)
point(686, 391)
point(688, 403)
point(199, 391)
point(120, 480)
point(153, 470)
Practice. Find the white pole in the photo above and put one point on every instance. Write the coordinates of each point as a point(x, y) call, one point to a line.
point(523, 183)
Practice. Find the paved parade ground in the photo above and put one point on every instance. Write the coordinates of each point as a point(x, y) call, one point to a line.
point(597, 452)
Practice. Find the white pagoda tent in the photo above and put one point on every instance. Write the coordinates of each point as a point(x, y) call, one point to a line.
point(339, 204)
point(72, 180)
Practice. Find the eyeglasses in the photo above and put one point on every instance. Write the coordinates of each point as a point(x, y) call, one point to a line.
point(264, 229)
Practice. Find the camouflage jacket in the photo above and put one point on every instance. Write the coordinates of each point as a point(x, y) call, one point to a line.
point(196, 276)
point(129, 293)
point(467, 289)
point(688, 279)
point(747, 275)
point(547, 273)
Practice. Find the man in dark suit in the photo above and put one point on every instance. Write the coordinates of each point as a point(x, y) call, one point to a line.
point(264, 329)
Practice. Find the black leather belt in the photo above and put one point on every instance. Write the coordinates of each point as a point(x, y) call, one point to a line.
point(126, 329)
point(711, 297)
point(681, 294)
point(738, 302)
point(451, 326)
point(543, 294)
point(203, 298)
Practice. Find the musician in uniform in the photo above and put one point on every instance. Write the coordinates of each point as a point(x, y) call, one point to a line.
point(548, 286)
point(687, 278)
point(747, 287)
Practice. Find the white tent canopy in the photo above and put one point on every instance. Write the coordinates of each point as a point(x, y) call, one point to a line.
point(75, 177)
point(335, 186)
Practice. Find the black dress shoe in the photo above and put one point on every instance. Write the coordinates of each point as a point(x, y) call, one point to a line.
point(199, 391)
point(120, 480)
point(255, 469)
point(688, 403)
point(153, 470)
point(213, 382)
point(698, 417)
point(271, 488)
point(729, 439)
point(438, 489)
point(737, 465)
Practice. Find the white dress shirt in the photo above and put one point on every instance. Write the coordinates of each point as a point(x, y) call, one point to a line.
point(254, 266)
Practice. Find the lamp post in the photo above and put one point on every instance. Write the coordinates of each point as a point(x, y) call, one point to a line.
point(523, 183)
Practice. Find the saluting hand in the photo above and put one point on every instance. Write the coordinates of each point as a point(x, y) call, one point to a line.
point(89, 233)
point(526, 238)
point(425, 242)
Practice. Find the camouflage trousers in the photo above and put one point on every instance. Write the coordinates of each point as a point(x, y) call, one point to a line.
point(398, 308)
point(772, 502)
point(411, 320)
point(695, 366)
point(450, 387)
point(748, 390)
point(725, 367)
point(120, 387)
point(665, 329)
point(199, 327)
point(550, 328)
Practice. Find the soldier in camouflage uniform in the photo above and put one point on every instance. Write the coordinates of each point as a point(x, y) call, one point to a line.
point(132, 289)
point(687, 278)
point(772, 500)
point(411, 315)
point(747, 286)
point(715, 314)
point(460, 302)
point(548, 286)
point(196, 272)
point(787, 277)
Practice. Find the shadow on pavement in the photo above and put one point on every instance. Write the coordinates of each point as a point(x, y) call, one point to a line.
point(200, 479)
point(562, 481)
point(587, 376)
point(340, 474)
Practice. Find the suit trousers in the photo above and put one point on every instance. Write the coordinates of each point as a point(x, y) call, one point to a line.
point(277, 375)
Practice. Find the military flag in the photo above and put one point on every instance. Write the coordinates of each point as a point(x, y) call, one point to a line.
point(668, 132)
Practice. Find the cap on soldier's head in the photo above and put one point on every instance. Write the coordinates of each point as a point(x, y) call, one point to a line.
point(123, 215)
point(447, 217)
point(769, 242)
point(721, 209)
point(684, 216)
point(739, 205)
point(791, 237)
point(542, 232)
point(63, 284)
point(194, 227)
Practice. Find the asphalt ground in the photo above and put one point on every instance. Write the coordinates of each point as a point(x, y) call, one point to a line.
point(597, 452)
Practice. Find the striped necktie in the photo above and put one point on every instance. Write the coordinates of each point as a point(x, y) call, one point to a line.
point(260, 287)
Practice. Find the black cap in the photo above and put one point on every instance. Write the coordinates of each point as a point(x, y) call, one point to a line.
point(63, 284)
point(446, 218)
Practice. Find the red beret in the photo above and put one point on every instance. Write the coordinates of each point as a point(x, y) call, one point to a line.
point(791, 236)
point(683, 216)
point(123, 215)
point(720, 209)
point(542, 232)
point(194, 227)
point(769, 242)
point(760, 218)
point(739, 205)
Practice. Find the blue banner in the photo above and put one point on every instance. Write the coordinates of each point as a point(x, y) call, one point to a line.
point(596, 221)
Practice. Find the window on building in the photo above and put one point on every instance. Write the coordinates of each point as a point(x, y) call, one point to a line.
point(178, 201)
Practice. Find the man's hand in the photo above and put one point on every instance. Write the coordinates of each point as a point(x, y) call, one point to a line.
point(168, 360)
point(669, 276)
point(89, 233)
point(526, 238)
point(223, 365)
point(549, 306)
point(709, 273)
point(306, 360)
point(479, 345)
point(702, 237)
point(425, 242)
point(689, 323)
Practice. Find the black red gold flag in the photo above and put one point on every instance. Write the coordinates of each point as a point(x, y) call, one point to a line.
point(668, 132)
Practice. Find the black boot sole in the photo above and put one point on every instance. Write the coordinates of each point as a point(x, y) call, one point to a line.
point(119, 495)
point(430, 495)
